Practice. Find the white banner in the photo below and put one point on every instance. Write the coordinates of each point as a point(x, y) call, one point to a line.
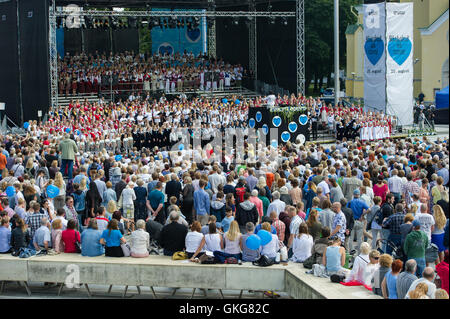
point(374, 57)
point(399, 61)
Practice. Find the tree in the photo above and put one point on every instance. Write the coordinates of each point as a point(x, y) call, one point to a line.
point(319, 36)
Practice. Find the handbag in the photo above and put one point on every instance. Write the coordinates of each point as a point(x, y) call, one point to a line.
point(77, 244)
point(179, 255)
point(263, 261)
point(205, 259)
point(310, 261)
point(126, 250)
point(431, 253)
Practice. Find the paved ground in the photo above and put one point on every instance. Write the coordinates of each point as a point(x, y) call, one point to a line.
point(39, 291)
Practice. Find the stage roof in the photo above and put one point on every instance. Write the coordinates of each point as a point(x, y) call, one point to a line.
point(176, 4)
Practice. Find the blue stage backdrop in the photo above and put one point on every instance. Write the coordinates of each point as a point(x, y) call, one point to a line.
point(177, 40)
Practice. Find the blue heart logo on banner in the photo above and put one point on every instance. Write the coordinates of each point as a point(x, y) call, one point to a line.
point(276, 121)
point(274, 143)
point(292, 127)
point(303, 119)
point(165, 48)
point(193, 35)
point(265, 129)
point(251, 123)
point(258, 116)
point(285, 136)
point(400, 49)
point(374, 50)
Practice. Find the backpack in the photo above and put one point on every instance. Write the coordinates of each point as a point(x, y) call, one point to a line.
point(374, 218)
point(378, 217)
point(263, 261)
point(240, 191)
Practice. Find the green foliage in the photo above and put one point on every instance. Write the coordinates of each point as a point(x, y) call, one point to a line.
point(319, 15)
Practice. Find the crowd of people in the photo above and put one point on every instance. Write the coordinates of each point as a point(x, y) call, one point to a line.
point(128, 71)
point(86, 182)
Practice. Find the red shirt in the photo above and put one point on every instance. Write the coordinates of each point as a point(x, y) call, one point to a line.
point(442, 270)
point(69, 237)
point(381, 191)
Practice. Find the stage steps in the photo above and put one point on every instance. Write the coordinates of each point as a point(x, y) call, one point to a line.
point(64, 100)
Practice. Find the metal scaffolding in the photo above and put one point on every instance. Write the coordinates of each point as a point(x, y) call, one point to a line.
point(53, 56)
point(300, 34)
point(252, 44)
point(212, 14)
point(212, 31)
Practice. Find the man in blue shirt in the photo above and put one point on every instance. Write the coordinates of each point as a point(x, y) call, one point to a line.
point(201, 203)
point(155, 203)
point(359, 209)
point(443, 172)
point(82, 175)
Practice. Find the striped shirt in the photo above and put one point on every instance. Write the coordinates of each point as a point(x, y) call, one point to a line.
point(404, 281)
point(280, 228)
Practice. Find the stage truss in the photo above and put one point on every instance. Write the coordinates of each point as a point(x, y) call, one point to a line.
point(252, 14)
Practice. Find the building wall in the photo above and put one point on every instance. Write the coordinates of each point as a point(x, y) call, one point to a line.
point(429, 57)
point(435, 53)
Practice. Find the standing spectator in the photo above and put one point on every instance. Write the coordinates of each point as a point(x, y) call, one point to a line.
point(410, 187)
point(141, 199)
point(126, 201)
point(385, 262)
point(202, 203)
point(294, 224)
point(339, 223)
point(381, 188)
point(349, 185)
point(93, 201)
point(187, 205)
point(359, 208)
point(336, 193)
point(426, 220)
point(427, 277)
point(389, 284)
point(443, 271)
point(59, 200)
point(314, 226)
point(393, 223)
point(246, 212)
point(350, 221)
point(395, 185)
point(277, 205)
point(279, 226)
point(406, 278)
point(68, 149)
point(173, 235)
point(326, 215)
point(437, 234)
point(406, 227)
point(415, 245)
point(109, 194)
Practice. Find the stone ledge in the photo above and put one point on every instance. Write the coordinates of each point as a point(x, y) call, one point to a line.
point(162, 271)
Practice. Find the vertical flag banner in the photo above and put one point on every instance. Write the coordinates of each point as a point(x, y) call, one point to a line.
point(374, 57)
point(399, 61)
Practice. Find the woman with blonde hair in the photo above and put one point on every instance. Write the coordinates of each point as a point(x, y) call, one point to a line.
point(232, 240)
point(29, 167)
point(438, 192)
point(111, 208)
point(53, 169)
point(440, 294)
point(59, 200)
point(314, 226)
point(57, 242)
point(385, 262)
point(360, 264)
point(413, 209)
point(437, 234)
point(420, 292)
